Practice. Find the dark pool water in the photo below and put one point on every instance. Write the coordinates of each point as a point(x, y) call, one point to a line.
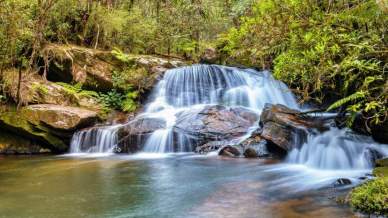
point(173, 186)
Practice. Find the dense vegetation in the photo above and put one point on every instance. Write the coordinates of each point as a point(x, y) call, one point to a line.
point(325, 50)
point(180, 28)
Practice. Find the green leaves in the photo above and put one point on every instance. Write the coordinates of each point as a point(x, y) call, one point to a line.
point(118, 101)
point(351, 98)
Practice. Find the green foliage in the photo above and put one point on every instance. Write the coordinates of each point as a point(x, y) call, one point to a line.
point(325, 51)
point(350, 98)
point(116, 100)
point(77, 90)
point(41, 89)
point(371, 197)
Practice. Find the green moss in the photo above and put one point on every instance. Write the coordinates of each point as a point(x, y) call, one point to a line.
point(15, 122)
point(371, 197)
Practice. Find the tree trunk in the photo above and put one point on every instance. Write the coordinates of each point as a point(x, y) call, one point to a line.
point(19, 100)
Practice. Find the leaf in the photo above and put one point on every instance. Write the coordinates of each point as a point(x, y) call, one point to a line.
point(343, 101)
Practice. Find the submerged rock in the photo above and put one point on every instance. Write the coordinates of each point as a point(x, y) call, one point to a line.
point(230, 151)
point(210, 146)
point(342, 182)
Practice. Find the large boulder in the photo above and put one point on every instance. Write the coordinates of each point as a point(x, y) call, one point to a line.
point(60, 117)
point(50, 126)
point(215, 123)
point(287, 128)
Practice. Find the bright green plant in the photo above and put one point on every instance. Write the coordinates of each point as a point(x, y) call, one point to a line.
point(371, 197)
point(118, 101)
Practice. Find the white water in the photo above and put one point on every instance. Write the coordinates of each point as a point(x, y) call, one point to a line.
point(337, 149)
point(192, 88)
point(95, 140)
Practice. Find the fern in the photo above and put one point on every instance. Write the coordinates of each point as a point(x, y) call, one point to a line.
point(350, 98)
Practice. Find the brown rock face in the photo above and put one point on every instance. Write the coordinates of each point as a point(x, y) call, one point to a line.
point(287, 128)
point(60, 117)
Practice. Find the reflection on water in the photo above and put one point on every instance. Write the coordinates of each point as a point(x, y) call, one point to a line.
point(178, 185)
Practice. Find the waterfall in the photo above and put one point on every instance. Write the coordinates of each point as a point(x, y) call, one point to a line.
point(188, 89)
point(338, 149)
point(95, 140)
point(212, 84)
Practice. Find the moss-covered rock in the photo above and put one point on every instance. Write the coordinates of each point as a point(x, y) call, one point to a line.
point(371, 197)
point(48, 125)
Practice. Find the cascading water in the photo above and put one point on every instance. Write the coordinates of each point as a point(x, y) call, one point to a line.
point(337, 149)
point(95, 140)
point(189, 89)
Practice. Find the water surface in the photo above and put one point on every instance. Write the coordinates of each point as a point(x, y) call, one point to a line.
point(159, 186)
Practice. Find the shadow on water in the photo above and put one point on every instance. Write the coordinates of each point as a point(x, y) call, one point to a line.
point(179, 185)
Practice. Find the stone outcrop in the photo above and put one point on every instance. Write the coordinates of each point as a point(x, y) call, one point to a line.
point(94, 68)
point(216, 123)
point(49, 126)
point(287, 128)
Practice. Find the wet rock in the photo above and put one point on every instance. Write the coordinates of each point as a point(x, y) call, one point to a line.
point(380, 132)
point(230, 151)
point(250, 153)
point(210, 146)
point(136, 132)
point(215, 123)
point(287, 128)
point(342, 182)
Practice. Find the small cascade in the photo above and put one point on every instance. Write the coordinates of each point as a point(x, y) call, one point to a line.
point(338, 149)
point(95, 140)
